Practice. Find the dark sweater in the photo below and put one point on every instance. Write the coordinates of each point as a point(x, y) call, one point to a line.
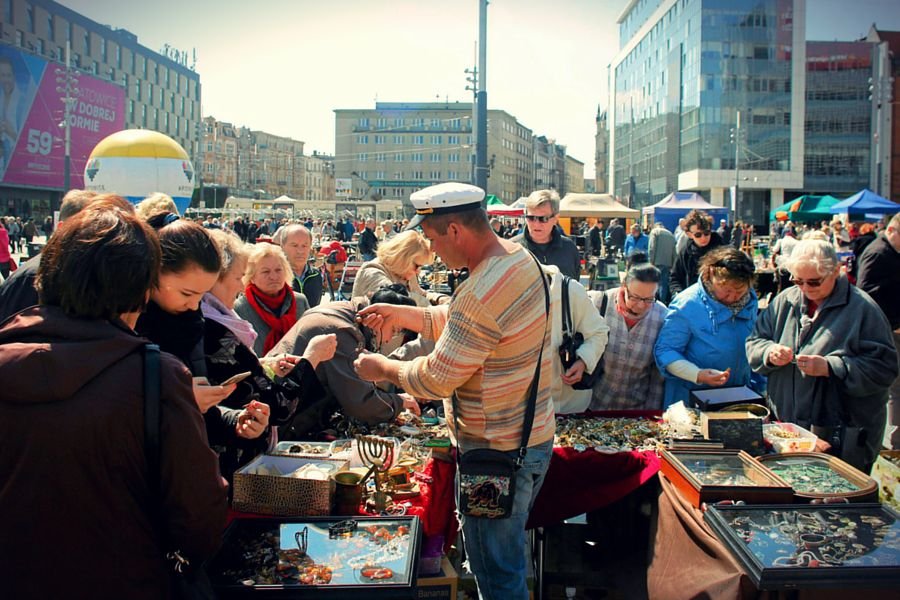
point(879, 276)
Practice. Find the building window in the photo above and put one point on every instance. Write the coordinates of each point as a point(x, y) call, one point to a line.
point(95, 67)
point(379, 157)
point(8, 11)
point(452, 175)
point(29, 18)
point(379, 139)
point(416, 157)
point(87, 43)
point(144, 115)
point(362, 139)
point(418, 139)
point(435, 175)
point(453, 157)
point(51, 30)
point(398, 139)
point(381, 123)
point(418, 175)
point(453, 139)
point(435, 123)
point(455, 123)
point(103, 55)
point(118, 56)
point(133, 63)
point(418, 122)
point(435, 157)
point(144, 66)
point(398, 175)
point(131, 110)
point(398, 157)
point(209, 146)
point(398, 122)
point(363, 122)
point(363, 157)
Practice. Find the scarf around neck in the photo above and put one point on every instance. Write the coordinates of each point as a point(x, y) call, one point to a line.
point(734, 307)
point(269, 309)
point(215, 310)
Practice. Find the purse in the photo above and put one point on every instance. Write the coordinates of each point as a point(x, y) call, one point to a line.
point(486, 478)
point(186, 583)
point(571, 341)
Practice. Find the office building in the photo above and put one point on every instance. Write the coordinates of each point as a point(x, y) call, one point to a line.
point(114, 81)
point(709, 96)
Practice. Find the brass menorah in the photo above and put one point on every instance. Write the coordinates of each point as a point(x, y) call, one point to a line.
point(377, 454)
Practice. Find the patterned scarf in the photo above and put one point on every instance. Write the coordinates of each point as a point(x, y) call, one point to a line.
point(214, 310)
point(735, 307)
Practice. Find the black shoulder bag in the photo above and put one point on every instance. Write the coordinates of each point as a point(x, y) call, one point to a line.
point(486, 478)
point(186, 583)
point(571, 341)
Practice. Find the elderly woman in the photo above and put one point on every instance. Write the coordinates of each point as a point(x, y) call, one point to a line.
point(269, 303)
point(398, 260)
point(631, 380)
point(701, 344)
point(279, 382)
point(827, 350)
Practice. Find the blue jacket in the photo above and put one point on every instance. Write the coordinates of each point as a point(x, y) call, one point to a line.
point(641, 244)
point(700, 329)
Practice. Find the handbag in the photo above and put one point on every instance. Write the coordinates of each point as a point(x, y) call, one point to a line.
point(571, 341)
point(185, 582)
point(486, 478)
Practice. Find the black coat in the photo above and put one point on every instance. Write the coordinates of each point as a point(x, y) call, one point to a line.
point(687, 263)
point(560, 251)
point(879, 276)
point(18, 293)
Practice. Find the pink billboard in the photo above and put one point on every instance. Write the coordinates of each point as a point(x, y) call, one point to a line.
point(32, 111)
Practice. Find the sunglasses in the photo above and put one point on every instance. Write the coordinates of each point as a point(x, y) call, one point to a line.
point(630, 296)
point(813, 283)
point(699, 234)
point(539, 219)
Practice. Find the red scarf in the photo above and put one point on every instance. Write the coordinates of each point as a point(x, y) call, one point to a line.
point(622, 309)
point(268, 307)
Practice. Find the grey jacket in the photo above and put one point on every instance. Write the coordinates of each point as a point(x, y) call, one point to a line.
point(661, 251)
point(853, 335)
point(246, 312)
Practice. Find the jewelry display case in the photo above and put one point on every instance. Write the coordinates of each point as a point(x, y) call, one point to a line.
point(337, 558)
point(704, 476)
point(812, 546)
point(816, 476)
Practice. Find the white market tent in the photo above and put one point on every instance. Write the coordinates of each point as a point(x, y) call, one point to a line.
point(595, 205)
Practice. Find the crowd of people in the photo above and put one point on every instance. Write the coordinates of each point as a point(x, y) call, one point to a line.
point(257, 347)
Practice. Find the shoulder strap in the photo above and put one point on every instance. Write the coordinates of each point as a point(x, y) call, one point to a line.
point(566, 310)
point(603, 304)
point(533, 390)
point(152, 421)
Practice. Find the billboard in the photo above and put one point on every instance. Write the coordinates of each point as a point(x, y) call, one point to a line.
point(343, 187)
point(32, 139)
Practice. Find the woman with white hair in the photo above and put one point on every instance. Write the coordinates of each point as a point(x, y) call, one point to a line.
point(827, 350)
point(269, 303)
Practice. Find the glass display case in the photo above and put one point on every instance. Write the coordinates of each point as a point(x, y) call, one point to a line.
point(816, 476)
point(713, 475)
point(812, 546)
point(338, 558)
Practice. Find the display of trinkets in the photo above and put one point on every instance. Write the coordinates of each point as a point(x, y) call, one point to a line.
point(821, 476)
point(712, 475)
point(303, 449)
point(618, 434)
point(275, 557)
point(812, 545)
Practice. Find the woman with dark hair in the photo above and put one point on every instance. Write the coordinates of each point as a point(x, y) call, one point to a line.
point(190, 267)
point(701, 239)
point(701, 343)
point(72, 371)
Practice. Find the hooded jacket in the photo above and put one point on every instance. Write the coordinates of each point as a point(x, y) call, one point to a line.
point(687, 263)
point(73, 469)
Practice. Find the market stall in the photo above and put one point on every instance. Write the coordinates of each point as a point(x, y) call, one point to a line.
point(865, 205)
point(805, 209)
point(677, 205)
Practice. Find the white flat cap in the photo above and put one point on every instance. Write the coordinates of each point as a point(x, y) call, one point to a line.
point(444, 198)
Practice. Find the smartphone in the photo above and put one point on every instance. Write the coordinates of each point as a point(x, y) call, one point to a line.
point(237, 378)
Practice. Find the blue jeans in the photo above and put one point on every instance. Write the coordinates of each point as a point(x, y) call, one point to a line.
point(496, 547)
point(368, 256)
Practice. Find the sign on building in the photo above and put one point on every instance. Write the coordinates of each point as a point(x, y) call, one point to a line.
point(343, 187)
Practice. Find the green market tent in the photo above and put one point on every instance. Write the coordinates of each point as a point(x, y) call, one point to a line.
point(804, 208)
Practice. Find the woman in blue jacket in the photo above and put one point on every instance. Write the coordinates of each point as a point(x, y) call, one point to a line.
point(701, 343)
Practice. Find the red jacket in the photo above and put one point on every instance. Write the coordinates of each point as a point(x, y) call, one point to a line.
point(73, 476)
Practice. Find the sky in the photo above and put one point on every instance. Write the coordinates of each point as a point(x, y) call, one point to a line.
point(283, 66)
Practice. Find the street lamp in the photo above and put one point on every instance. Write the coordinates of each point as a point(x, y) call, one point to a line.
point(67, 87)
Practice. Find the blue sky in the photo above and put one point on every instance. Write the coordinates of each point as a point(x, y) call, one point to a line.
point(283, 66)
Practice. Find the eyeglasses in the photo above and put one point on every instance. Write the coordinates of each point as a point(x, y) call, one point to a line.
point(630, 296)
point(813, 283)
point(539, 219)
point(699, 234)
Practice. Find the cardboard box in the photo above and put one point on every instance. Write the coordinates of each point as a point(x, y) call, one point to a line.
point(887, 474)
point(442, 586)
point(739, 430)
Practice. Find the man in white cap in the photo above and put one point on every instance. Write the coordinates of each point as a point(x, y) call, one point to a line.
point(488, 341)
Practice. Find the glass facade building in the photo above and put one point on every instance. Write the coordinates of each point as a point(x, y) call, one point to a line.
point(838, 117)
point(704, 97)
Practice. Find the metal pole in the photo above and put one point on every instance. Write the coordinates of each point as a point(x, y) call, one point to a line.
point(737, 168)
point(481, 168)
point(67, 166)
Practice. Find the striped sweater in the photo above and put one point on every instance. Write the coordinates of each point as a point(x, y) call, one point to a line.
point(488, 340)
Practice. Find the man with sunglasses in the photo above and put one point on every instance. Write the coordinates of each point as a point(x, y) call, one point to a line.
point(702, 239)
point(544, 239)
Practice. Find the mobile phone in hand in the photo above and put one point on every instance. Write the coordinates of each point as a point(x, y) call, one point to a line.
point(237, 378)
